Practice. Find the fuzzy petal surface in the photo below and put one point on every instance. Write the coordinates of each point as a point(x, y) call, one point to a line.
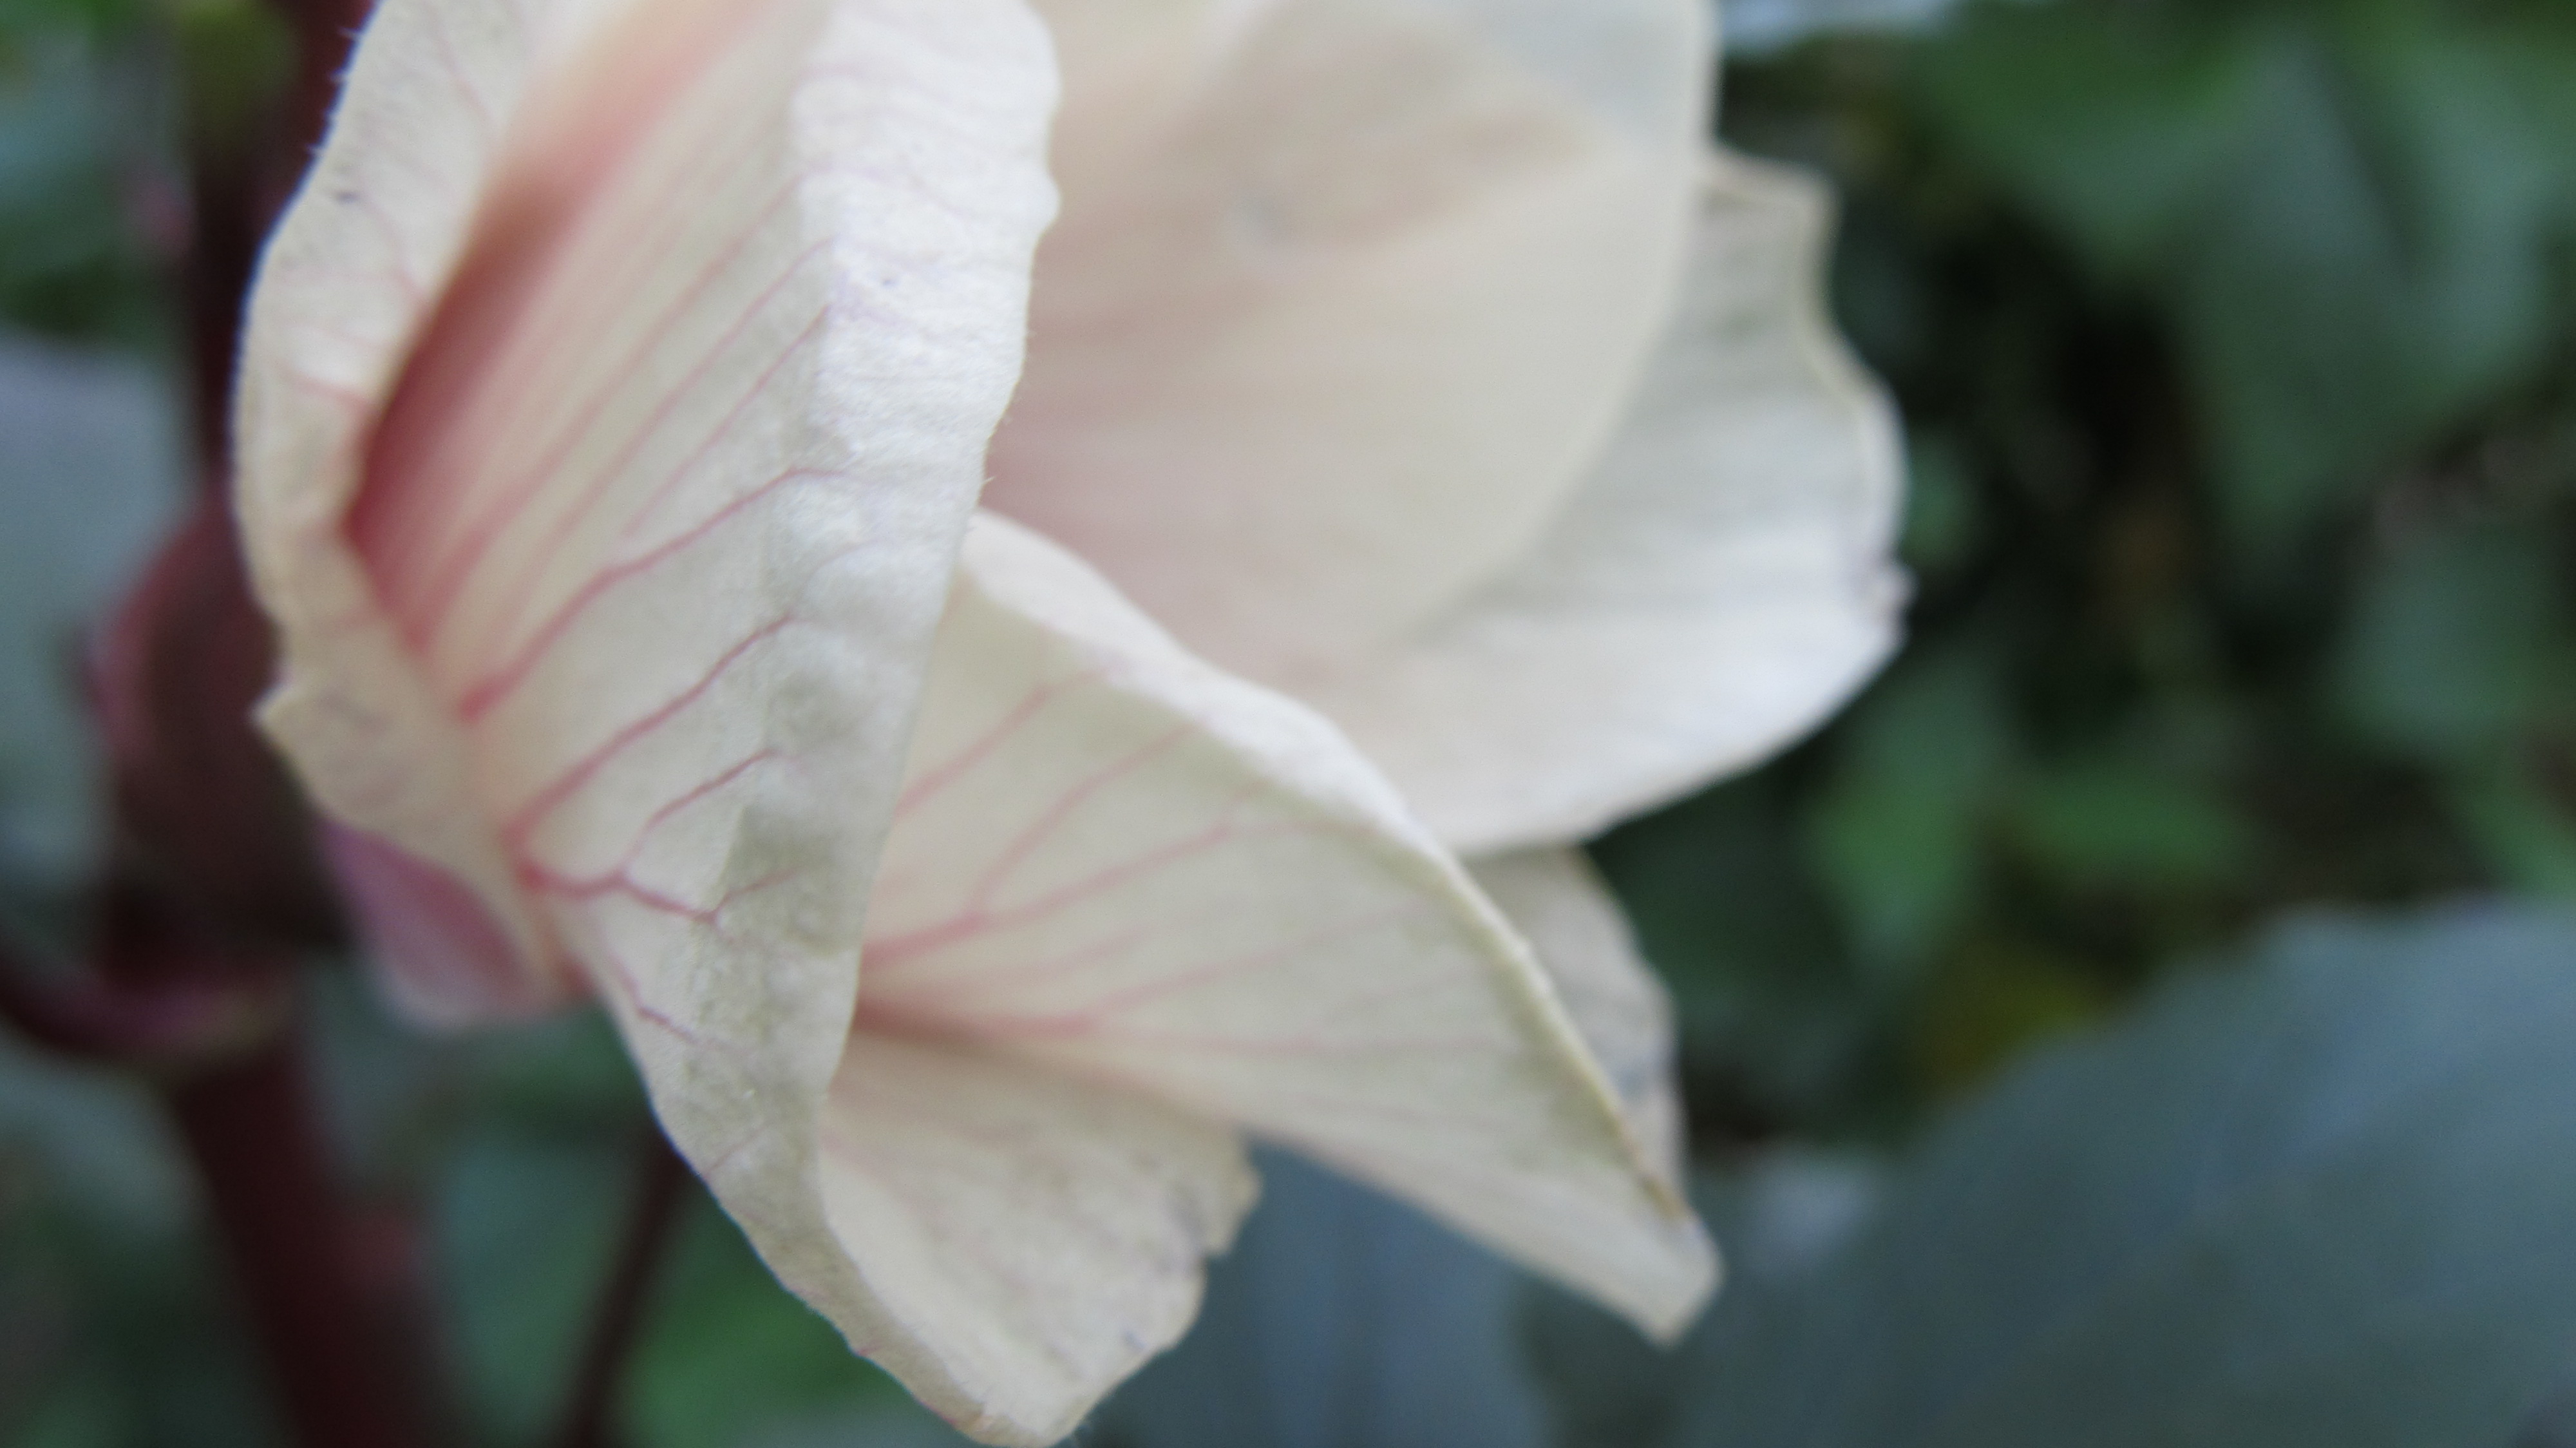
point(1346, 295)
point(1119, 863)
point(615, 395)
point(1721, 583)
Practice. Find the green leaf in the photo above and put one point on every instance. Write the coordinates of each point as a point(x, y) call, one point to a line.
point(2118, 820)
point(2352, 292)
point(86, 200)
point(2450, 649)
point(2345, 211)
point(2527, 839)
point(1944, 523)
point(1893, 838)
point(2321, 1200)
point(1991, 1003)
point(2119, 127)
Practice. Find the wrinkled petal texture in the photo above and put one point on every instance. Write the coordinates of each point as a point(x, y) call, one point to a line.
point(1120, 864)
point(1722, 581)
point(1346, 295)
point(615, 395)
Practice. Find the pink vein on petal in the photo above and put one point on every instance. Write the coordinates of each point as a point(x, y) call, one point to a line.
point(965, 761)
point(397, 266)
point(1094, 1017)
point(812, 332)
point(447, 576)
point(638, 257)
point(345, 396)
point(437, 602)
point(695, 794)
point(622, 884)
point(565, 785)
point(1053, 818)
point(498, 684)
point(464, 82)
point(1016, 972)
point(979, 919)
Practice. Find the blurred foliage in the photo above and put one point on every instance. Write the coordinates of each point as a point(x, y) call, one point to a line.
point(91, 206)
point(112, 1327)
point(90, 471)
point(2237, 344)
point(1341, 1319)
point(90, 209)
point(2320, 1199)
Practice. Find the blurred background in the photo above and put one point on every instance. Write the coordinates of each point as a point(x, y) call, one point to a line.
point(2145, 1017)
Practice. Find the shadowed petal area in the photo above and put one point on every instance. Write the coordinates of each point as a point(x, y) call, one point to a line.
point(1720, 584)
point(1555, 899)
point(1117, 861)
point(605, 480)
point(453, 955)
point(1033, 1238)
point(1345, 296)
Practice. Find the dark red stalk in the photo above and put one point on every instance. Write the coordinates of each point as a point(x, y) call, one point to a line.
point(223, 243)
point(661, 1187)
point(211, 887)
point(212, 1027)
point(299, 1262)
point(156, 1028)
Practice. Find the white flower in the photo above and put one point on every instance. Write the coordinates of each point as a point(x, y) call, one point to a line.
point(1422, 445)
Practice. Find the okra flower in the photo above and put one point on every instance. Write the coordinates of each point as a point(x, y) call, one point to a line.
point(617, 398)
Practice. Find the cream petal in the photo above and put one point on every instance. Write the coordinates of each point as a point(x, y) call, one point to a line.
point(1721, 583)
point(1032, 1238)
point(1118, 861)
point(1345, 296)
point(605, 480)
point(350, 278)
point(613, 395)
point(1555, 899)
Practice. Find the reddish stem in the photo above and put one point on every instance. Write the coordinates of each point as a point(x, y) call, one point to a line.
point(159, 1026)
point(249, 1124)
point(661, 1186)
point(196, 790)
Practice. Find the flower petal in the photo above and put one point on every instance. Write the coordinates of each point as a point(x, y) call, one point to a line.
point(1344, 298)
point(1031, 1239)
point(1720, 584)
point(614, 393)
point(1555, 899)
point(615, 612)
point(1116, 860)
